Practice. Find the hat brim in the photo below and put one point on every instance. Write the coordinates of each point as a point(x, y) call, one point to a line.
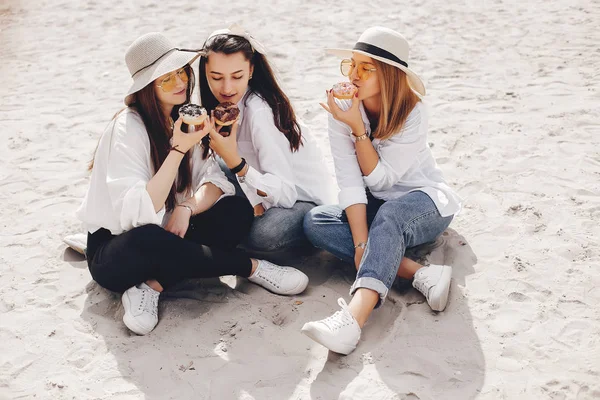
point(415, 82)
point(171, 62)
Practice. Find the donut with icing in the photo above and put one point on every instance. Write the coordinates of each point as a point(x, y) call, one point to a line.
point(193, 115)
point(344, 90)
point(226, 113)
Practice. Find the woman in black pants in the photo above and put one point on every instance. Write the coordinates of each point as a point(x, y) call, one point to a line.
point(159, 209)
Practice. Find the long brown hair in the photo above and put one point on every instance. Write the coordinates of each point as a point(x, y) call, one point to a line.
point(397, 100)
point(263, 83)
point(158, 127)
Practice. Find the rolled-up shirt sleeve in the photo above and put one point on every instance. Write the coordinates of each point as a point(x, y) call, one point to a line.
point(398, 153)
point(251, 194)
point(128, 172)
point(275, 158)
point(208, 171)
point(347, 169)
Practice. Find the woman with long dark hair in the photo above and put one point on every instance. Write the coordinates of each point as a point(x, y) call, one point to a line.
point(156, 211)
point(392, 194)
point(269, 156)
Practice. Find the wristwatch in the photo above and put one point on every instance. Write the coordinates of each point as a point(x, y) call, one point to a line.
point(242, 178)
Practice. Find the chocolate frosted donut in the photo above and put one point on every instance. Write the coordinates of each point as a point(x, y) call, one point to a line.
point(226, 113)
point(193, 114)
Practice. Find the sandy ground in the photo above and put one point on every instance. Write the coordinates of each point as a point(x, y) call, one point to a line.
point(513, 88)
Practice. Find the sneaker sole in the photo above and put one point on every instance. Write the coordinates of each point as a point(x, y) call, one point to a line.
point(296, 290)
point(300, 288)
point(441, 292)
point(315, 335)
point(130, 321)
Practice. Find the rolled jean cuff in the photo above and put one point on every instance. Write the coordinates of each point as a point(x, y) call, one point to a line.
point(373, 284)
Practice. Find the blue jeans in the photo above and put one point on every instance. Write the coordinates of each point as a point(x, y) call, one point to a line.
point(394, 226)
point(278, 228)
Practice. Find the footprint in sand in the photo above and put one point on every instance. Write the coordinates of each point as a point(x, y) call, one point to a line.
point(521, 312)
point(81, 357)
point(567, 389)
point(281, 314)
point(518, 297)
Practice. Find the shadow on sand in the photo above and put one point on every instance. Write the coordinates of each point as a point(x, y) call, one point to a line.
point(229, 339)
point(408, 351)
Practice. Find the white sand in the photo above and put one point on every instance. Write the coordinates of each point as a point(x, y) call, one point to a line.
point(515, 108)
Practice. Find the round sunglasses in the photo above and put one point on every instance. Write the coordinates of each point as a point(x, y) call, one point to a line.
point(170, 82)
point(363, 71)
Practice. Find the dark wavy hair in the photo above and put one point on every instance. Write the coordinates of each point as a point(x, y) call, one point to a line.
point(263, 83)
point(158, 127)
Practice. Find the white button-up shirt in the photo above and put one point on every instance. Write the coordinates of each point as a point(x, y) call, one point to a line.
point(117, 198)
point(405, 163)
point(285, 176)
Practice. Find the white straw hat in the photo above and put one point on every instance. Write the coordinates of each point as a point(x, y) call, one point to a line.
point(151, 56)
point(388, 46)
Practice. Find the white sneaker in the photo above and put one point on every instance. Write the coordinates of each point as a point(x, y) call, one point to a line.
point(77, 242)
point(279, 280)
point(339, 333)
point(434, 283)
point(141, 308)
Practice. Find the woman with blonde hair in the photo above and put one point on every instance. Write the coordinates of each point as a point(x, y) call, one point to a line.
point(392, 193)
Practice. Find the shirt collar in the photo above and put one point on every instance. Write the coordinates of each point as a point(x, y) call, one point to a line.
point(365, 119)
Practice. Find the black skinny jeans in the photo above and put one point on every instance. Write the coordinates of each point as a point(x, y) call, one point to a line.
point(150, 252)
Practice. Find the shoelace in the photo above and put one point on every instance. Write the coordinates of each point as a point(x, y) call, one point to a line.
point(149, 297)
point(271, 273)
point(154, 301)
point(423, 284)
point(340, 318)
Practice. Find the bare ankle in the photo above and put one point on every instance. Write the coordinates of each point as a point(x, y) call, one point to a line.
point(408, 268)
point(155, 285)
point(254, 265)
point(362, 304)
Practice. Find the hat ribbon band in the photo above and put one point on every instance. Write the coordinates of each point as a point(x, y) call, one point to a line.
point(161, 56)
point(378, 51)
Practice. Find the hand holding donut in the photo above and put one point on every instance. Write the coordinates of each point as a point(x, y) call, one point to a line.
point(351, 116)
point(225, 115)
point(225, 146)
point(185, 141)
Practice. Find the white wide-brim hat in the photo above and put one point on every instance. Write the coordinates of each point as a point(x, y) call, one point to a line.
point(151, 56)
point(387, 46)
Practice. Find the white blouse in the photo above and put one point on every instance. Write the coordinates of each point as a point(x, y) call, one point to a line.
point(405, 163)
point(117, 198)
point(285, 176)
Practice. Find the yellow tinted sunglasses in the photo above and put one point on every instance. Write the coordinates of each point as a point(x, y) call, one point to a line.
point(170, 82)
point(363, 71)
